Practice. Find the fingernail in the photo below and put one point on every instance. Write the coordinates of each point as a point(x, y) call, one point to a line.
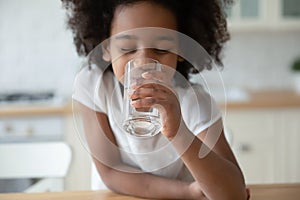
point(146, 75)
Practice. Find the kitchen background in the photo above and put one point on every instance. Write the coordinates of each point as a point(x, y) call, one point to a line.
point(37, 55)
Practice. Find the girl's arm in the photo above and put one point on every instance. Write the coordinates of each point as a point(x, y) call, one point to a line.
point(208, 156)
point(119, 177)
point(145, 185)
point(212, 163)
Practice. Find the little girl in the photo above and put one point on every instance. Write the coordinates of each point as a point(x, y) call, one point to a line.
point(168, 165)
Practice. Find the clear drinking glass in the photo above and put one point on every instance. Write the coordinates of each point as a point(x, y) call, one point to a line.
point(140, 122)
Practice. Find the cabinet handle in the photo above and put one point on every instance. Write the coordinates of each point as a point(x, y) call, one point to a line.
point(245, 148)
point(29, 131)
point(8, 129)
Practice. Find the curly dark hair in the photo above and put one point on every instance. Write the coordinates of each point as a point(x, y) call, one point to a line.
point(202, 20)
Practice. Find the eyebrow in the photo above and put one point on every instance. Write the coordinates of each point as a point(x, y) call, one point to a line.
point(133, 37)
point(124, 36)
point(165, 37)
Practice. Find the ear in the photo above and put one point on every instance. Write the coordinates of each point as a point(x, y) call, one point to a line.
point(106, 52)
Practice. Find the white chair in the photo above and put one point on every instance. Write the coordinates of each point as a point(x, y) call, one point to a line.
point(48, 162)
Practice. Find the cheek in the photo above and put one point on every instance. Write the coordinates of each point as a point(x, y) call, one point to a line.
point(171, 61)
point(119, 69)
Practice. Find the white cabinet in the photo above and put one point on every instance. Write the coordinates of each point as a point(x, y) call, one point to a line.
point(266, 143)
point(253, 143)
point(247, 14)
point(79, 175)
point(290, 9)
point(253, 15)
point(288, 147)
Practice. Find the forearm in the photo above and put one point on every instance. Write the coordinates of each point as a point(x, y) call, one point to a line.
point(218, 177)
point(146, 185)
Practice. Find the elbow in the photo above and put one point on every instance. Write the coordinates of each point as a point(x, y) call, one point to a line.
point(107, 175)
point(108, 180)
point(232, 190)
point(237, 194)
point(111, 180)
point(240, 196)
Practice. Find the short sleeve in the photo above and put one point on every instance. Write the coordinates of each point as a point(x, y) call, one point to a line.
point(86, 85)
point(199, 109)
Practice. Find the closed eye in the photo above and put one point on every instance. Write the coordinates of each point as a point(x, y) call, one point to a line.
point(162, 51)
point(127, 50)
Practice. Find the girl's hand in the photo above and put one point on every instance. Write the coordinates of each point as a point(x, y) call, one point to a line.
point(159, 94)
point(196, 191)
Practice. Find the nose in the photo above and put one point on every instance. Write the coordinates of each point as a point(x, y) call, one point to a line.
point(146, 53)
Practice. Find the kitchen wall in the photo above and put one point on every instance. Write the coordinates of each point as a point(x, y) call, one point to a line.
point(36, 51)
point(261, 59)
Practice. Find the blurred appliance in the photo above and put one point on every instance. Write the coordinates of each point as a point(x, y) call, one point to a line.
point(30, 98)
point(21, 97)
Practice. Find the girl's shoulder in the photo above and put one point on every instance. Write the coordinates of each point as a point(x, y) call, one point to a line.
point(92, 75)
point(195, 98)
point(199, 109)
point(91, 87)
point(88, 74)
point(193, 90)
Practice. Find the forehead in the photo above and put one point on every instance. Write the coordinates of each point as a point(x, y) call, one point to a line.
point(142, 14)
point(147, 35)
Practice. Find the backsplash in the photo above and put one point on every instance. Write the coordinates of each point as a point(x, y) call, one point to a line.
point(261, 60)
point(36, 51)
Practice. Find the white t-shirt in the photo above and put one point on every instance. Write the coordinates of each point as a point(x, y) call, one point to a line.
point(100, 91)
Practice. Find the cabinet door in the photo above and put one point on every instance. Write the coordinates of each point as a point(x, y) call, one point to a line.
point(244, 9)
point(249, 9)
point(249, 15)
point(288, 146)
point(253, 145)
point(290, 8)
point(288, 15)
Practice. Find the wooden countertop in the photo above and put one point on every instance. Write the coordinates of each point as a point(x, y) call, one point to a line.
point(275, 191)
point(28, 110)
point(258, 192)
point(258, 99)
point(267, 99)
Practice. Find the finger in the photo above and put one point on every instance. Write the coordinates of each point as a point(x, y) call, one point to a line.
point(143, 103)
point(155, 75)
point(146, 103)
point(157, 87)
point(166, 75)
point(142, 82)
point(156, 92)
point(151, 82)
point(142, 92)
